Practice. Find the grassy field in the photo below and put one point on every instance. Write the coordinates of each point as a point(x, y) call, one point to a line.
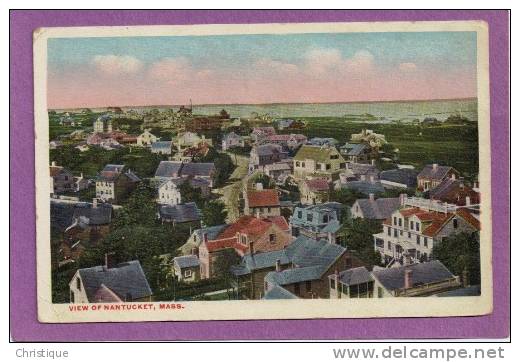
point(455, 145)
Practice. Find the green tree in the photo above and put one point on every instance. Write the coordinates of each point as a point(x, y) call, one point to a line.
point(460, 252)
point(266, 181)
point(139, 209)
point(225, 260)
point(346, 196)
point(191, 194)
point(214, 213)
point(357, 236)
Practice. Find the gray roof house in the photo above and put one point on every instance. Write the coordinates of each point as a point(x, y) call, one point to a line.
point(180, 214)
point(421, 279)
point(124, 282)
point(162, 147)
point(375, 209)
point(168, 169)
point(186, 268)
point(321, 221)
point(277, 292)
point(365, 187)
point(399, 178)
point(321, 141)
point(186, 261)
point(352, 283)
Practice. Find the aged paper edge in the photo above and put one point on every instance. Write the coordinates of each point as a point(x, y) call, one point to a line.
point(263, 309)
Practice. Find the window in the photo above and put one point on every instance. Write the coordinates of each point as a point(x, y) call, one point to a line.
point(334, 157)
point(272, 238)
point(308, 286)
point(389, 231)
point(401, 232)
point(417, 226)
point(303, 164)
point(455, 223)
point(411, 225)
point(425, 241)
point(395, 220)
point(268, 209)
point(418, 240)
point(72, 297)
point(389, 245)
point(299, 214)
point(327, 166)
point(187, 273)
point(325, 218)
point(400, 222)
point(409, 235)
point(309, 217)
point(297, 289)
point(78, 283)
point(395, 233)
point(297, 163)
point(332, 283)
point(379, 292)
point(380, 243)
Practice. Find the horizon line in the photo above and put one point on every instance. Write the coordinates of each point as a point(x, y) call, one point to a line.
point(267, 104)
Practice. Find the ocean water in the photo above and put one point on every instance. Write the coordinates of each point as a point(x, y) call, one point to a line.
point(387, 111)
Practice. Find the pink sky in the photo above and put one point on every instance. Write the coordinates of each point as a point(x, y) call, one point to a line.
point(324, 76)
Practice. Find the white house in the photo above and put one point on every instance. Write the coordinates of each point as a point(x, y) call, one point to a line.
point(414, 231)
point(146, 138)
point(168, 193)
point(232, 140)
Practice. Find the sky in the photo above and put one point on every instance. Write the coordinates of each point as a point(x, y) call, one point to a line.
point(254, 69)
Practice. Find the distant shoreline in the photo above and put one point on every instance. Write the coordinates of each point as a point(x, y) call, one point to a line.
point(266, 104)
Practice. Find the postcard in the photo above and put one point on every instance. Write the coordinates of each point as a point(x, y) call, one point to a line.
point(263, 171)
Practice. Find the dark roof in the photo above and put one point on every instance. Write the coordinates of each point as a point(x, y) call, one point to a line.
point(358, 169)
point(127, 280)
point(378, 209)
point(198, 169)
point(64, 215)
point(162, 144)
point(168, 169)
point(296, 275)
point(100, 215)
point(303, 252)
point(268, 149)
point(422, 273)
point(354, 276)
point(436, 173)
point(113, 168)
point(277, 292)
point(365, 187)
point(186, 261)
point(403, 176)
point(180, 213)
point(357, 149)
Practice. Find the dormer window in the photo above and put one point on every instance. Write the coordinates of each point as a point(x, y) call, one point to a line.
point(78, 283)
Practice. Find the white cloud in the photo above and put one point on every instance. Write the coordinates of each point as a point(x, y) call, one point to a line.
point(361, 61)
point(331, 61)
point(407, 67)
point(117, 64)
point(274, 66)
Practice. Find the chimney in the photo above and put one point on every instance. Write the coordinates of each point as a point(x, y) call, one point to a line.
point(408, 279)
point(278, 265)
point(465, 278)
point(434, 166)
point(251, 247)
point(109, 260)
point(94, 203)
point(453, 177)
point(53, 163)
point(402, 199)
point(371, 197)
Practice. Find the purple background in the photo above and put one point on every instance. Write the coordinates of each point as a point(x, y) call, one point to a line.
point(23, 314)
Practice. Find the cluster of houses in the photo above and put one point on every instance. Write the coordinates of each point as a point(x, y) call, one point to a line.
point(285, 250)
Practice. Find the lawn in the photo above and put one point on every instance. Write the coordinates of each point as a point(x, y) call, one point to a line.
point(455, 145)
